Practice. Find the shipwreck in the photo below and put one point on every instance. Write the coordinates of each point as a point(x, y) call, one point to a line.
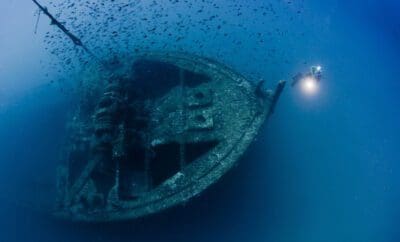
point(156, 136)
point(153, 131)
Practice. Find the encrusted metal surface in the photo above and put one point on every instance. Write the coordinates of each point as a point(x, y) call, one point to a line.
point(157, 136)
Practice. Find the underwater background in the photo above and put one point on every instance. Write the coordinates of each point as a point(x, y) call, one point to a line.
point(323, 168)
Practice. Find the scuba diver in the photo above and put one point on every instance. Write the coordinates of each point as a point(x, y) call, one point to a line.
point(315, 73)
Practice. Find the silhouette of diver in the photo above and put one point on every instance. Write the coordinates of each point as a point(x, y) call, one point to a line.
point(315, 73)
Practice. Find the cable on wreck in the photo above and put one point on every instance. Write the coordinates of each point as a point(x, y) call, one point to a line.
point(37, 21)
point(70, 35)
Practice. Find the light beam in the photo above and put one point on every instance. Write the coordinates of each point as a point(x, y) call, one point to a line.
point(309, 86)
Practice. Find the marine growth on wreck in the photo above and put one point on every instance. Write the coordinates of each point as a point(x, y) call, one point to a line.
point(155, 133)
point(152, 130)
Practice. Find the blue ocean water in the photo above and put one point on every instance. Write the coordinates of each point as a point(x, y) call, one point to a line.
point(323, 168)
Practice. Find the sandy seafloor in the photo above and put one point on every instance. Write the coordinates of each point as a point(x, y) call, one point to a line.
point(324, 168)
